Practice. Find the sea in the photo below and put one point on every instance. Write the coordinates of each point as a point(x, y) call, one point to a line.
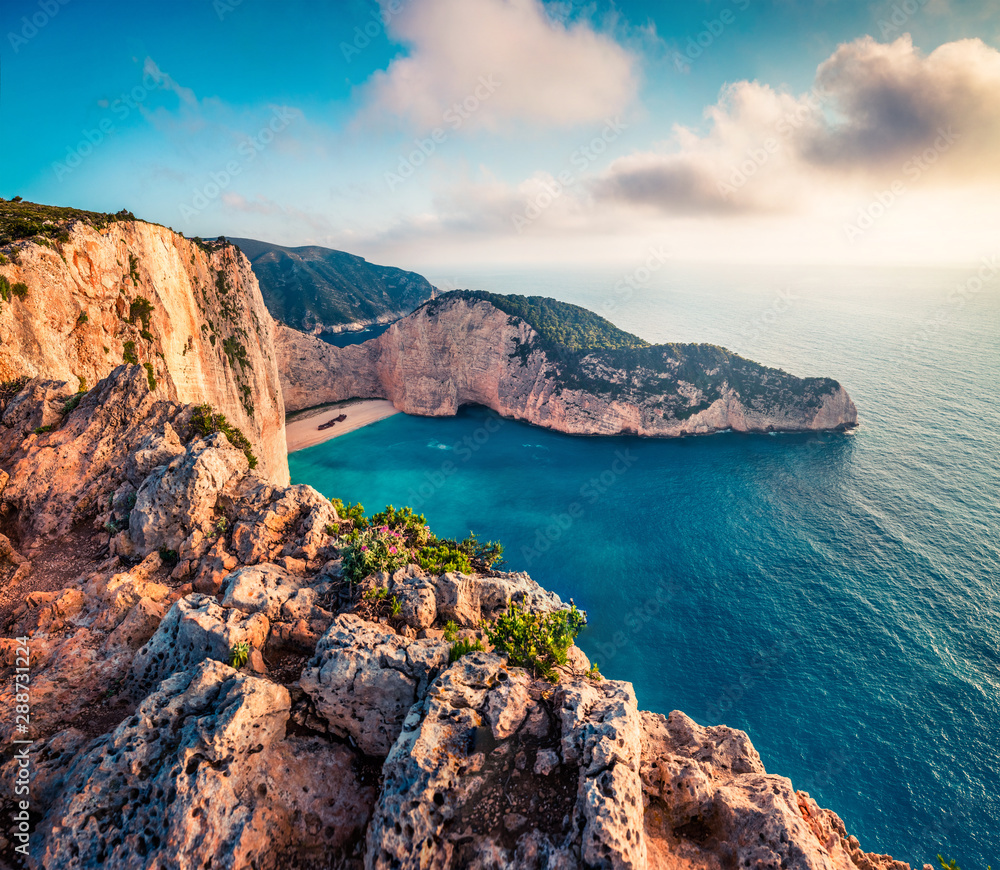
point(834, 595)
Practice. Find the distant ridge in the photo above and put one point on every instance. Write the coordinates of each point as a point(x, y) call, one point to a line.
point(318, 289)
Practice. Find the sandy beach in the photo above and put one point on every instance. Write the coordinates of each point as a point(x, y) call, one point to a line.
point(303, 431)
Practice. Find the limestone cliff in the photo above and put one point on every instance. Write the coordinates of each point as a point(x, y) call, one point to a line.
point(459, 350)
point(347, 737)
point(190, 312)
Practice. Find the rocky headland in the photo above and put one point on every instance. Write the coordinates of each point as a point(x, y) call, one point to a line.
point(462, 349)
point(208, 688)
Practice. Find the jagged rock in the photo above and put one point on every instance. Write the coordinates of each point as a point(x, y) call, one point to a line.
point(708, 795)
point(200, 776)
point(364, 678)
point(260, 589)
point(13, 566)
point(155, 449)
point(138, 626)
point(293, 608)
point(293, 519)
point(601, 734)
point(123, 590)
point(831, 833)
point(196, 628)
point(426, 598)
point(177, 499)
point(61, 477)
point(480, 777)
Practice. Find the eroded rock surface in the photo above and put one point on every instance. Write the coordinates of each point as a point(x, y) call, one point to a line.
point(493, 769)
point(203, 775)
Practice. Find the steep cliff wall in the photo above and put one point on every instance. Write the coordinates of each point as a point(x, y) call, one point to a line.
point(135, 292)
point(457, 351)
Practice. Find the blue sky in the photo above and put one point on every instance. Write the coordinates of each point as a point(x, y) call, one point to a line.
point(452, 131)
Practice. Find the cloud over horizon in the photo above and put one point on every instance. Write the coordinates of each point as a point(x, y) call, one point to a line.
point(878, 112)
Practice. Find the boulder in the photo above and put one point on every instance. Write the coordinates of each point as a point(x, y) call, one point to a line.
point(364, 678)
point(196, 628)
point(201, 775)
point(181, 497)
point(495, 770)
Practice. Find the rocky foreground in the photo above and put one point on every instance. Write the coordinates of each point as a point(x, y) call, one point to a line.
point(461, 350)
point(136, 554)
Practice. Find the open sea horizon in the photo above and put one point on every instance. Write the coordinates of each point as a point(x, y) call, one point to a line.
point(834, 595)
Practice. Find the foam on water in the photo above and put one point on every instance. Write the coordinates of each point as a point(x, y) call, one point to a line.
point(835, 595)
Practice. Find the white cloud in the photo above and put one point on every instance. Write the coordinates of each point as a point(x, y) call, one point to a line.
point(546, 72)
point(878, 113)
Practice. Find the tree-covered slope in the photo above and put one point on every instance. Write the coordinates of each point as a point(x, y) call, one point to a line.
point(311, 286)
point(41, 223)
point(560, 325)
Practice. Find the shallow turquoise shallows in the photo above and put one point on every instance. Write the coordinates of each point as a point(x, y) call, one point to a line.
point(834, 595)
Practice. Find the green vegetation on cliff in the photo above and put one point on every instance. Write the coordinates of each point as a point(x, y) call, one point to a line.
point(394, 538)
point(31, 220)
point(313, 286)
point(560, 325)
point(207, 421)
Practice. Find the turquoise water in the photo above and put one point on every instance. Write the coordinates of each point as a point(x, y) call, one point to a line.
point(834, 595)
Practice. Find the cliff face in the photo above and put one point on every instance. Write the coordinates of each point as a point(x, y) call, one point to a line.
point(457, 351)
point(317, 289)
point(348, 738)
point(135, 292)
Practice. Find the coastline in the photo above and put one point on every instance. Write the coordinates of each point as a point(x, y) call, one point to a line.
point(302, 431)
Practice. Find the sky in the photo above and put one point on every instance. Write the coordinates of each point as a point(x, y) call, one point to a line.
point(453, 132)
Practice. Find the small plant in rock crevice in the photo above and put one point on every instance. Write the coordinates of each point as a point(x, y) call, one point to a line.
point(169, 557)
point(206, 421)
point(239, 654)
point(463, 647)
